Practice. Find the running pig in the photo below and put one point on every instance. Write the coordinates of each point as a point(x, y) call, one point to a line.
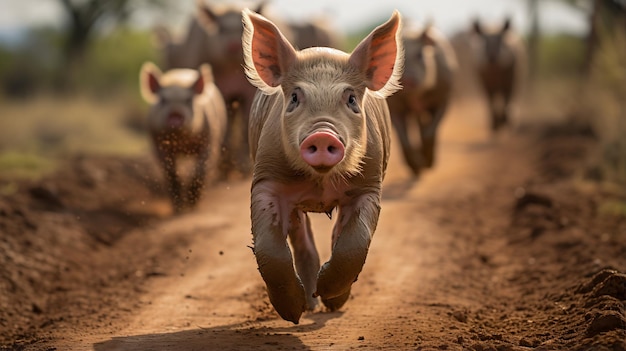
point(187, 117)
point(500, 58)
point(319, 139)
point(427, 81)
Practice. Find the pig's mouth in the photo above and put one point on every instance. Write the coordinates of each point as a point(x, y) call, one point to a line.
point(175, 120)
point(322, 169)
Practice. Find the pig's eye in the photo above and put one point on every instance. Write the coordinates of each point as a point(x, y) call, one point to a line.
point(353, 103)
point(294, 101)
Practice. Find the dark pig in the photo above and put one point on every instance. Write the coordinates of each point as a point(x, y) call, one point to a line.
point(429, 69)
point(319, 140)
point(223, 27)
point(187, 117)
point(500, 60)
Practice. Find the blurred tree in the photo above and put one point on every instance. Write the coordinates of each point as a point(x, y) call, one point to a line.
point(83, 19)
point(608, 13)
point(533, 35)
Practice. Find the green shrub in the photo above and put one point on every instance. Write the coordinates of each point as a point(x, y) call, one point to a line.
point(114, 60)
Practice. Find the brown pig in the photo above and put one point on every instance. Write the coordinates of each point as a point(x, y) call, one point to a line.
point(223, 27)
point(319, 140)
point(500, 59)
point(187, 117)
point(427, 82)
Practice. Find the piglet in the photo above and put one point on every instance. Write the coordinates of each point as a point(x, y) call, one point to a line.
point(187, 117)
point(319, 140)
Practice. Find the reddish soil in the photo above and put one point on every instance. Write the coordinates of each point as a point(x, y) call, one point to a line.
point(502, 246)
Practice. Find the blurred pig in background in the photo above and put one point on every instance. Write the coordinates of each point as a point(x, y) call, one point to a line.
point(430, 65)
point(187, 118)
point(222, 24)
point(214, 36)
point(500, 62)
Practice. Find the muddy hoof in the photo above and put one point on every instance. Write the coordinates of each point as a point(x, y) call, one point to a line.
point(289, 308)
point(287, 298)
point(337, 302)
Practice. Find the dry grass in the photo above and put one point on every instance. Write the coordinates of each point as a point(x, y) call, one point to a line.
point(35, 134)
point(605, 95)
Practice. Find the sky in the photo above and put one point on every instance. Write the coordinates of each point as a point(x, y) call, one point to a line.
point(449, 15)
point(347, 15)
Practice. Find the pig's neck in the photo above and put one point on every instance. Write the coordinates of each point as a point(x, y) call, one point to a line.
point(309, 195)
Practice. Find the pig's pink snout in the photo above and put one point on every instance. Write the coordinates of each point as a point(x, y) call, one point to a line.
point(322, 150)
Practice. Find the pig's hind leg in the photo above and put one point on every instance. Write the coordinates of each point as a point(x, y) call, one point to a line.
point(305, 254)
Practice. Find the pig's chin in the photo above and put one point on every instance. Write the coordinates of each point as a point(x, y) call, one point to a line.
point(338, 171)
point(323, 170)
point(319, 171)
point(175, 121)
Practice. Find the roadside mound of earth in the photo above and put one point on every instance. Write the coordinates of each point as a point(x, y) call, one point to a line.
point(58, 237)
point(556, 273)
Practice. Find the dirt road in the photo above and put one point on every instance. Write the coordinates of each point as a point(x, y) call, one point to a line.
point(484, 252)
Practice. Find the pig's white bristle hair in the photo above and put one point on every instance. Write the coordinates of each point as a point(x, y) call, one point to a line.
point(393, 84)
point(249, 68)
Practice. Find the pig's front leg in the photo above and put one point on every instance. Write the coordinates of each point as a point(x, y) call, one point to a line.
point(352, 236)
point(174, 185)
point(429, 135)
point(270, 223)
point(408, 151)
point(199, 177)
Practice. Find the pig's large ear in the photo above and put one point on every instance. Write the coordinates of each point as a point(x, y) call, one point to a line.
point(161, 36)
point(427, 37)
point(381, 57)
point(198, 85)
point(149, 84)
point(267, 53)
point(477, 27)
point(260, 7)
point(507, 24)
point(206, 16)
